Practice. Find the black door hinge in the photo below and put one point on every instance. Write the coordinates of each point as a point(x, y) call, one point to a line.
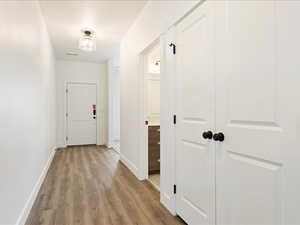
point(174, 119)
point(146, 122)
point(174, 191)
point(174, 48)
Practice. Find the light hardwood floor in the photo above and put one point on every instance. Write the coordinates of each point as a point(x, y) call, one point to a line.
point(155, 180)
point(89, 186)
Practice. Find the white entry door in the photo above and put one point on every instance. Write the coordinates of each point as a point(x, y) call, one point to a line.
point(81, 117)
point(195, 155)
point(256, 115)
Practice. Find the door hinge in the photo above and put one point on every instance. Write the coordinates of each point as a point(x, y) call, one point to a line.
point(67, 114)
point(67, 138)
point(174, 189)
point(146, 122)
point(174, 119)
point(174, 48)
point(67, 90)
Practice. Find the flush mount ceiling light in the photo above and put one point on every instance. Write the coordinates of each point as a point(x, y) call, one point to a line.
point(88, 41)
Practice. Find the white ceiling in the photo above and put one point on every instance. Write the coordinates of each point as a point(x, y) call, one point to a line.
point(109, 19)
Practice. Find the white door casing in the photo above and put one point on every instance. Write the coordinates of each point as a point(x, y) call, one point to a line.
point(81, 123)
point(167, 127)
point(195, 174)
point(113, 107)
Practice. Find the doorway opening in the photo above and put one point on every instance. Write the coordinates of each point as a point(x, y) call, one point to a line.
point(152, 112)
point(156, 116)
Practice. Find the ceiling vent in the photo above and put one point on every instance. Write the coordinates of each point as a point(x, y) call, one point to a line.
point(72, 53)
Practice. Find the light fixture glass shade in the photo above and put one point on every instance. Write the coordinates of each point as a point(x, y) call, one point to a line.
point(87, 43)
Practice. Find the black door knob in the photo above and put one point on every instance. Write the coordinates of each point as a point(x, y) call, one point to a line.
point(219, 137)
point(207, 135)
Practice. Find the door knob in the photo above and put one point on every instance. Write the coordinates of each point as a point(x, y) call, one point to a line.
point(207, 135)
point(219, 137)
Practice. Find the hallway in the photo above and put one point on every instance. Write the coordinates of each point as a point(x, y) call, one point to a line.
point(130, 112)
point(89, 186)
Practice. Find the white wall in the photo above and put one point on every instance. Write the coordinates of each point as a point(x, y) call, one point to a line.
point(27, 106)
point(152, 22)
point(114, 103)
point(153, 58)
point(75, 71)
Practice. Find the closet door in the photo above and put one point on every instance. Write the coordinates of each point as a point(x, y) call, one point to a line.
point(195, 115)
point(254, 113)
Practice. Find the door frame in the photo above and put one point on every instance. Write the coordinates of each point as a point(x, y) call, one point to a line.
point(143, 107)
point(168, 109)
point(99, 117)
point(113, 73)
point(167, 128)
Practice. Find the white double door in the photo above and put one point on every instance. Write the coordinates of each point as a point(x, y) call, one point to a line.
point(233, 77)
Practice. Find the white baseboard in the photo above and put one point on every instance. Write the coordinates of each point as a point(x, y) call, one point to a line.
point(109, 145)
point(116, 149)
point(129, 165)
point(33, 195)
point(168, 202)
point(116, 146)
point(61, 146)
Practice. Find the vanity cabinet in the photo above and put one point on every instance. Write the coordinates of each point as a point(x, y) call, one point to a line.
point(153, 149)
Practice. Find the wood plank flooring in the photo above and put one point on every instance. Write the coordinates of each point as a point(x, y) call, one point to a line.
point(87, 185)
